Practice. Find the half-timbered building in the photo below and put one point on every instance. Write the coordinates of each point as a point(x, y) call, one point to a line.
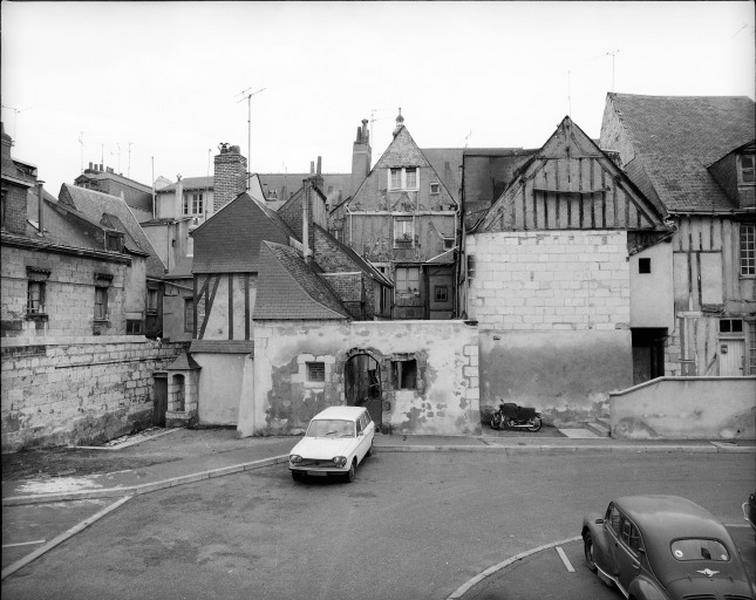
point(694, 158)
point(557, 277)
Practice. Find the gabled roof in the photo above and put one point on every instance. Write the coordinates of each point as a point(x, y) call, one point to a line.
point(229, 241)
point(112, 212)
point(288, 288)
point(675, 139)
point(364, 265)
point(126, 181)
point(538, 198)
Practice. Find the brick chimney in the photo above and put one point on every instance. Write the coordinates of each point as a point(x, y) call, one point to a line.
point(361, 157)
point(229, 176)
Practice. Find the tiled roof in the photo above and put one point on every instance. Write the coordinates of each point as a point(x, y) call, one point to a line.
point(223, 346)
point(96, 206)
point(229, 241)
point(287, 288)
point(676, 138)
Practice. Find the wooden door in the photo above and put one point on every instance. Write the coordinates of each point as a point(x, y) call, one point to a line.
point(731, 357)
point(160, 399)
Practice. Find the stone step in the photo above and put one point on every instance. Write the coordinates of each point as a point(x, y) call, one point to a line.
point(600, 427)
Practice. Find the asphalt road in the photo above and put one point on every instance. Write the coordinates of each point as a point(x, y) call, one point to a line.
point(412, 525)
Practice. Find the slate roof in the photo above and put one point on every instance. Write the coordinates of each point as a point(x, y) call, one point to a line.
point(229, 241)
point(91, 174)
point(676, 138)
point(364, 265)
point(289, 289)
point(112, 211)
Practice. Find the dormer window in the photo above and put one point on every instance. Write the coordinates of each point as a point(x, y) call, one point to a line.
point(747, 170)
point(405, 178)
point(114, 241)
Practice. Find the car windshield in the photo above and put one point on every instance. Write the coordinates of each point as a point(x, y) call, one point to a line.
point(331, 428)
point(699, 549)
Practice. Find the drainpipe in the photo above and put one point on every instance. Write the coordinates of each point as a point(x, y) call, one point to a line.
point(39, 204)
point(305, 224)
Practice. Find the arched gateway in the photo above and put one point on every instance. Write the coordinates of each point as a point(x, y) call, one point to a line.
point(362, 382)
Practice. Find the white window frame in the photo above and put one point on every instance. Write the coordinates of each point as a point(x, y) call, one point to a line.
point(435, 188)
point(403, 288)
point(751, 169)
point(403, 179)
point(404, 229)
point(747, 249)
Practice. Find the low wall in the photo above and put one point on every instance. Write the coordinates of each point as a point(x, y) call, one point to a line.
point(686, 408)
point(88, 389)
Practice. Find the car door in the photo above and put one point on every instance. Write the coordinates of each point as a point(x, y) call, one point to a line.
point(626, 554)
point(363, 434)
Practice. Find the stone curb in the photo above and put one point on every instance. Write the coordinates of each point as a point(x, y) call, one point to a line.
point(575, 448)
point(145, 488)
point(470, 583)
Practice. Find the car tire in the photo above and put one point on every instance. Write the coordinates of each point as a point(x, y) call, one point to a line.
point(588, 551)
point(370, 450)
point(352, 472)
point(297, 475)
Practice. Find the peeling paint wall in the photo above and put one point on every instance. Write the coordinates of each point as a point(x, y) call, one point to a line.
point(686, 408)
point(444, 401)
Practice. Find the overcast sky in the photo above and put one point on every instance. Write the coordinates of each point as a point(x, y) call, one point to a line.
point(164, 80)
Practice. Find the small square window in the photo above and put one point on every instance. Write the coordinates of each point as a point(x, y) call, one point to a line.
point(435, 188)
point(441, 293)
point(404, 374)
point(730, 326)
point(448, 243)
point(315, 371)
point(644, 265)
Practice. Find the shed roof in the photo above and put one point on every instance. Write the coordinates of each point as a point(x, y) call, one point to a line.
point(676, 138)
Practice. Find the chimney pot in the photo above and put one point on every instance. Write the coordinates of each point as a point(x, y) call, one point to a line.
point(319, 165)
point(312, 167)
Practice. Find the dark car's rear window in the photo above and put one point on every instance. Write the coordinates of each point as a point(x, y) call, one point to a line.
point(699, 549)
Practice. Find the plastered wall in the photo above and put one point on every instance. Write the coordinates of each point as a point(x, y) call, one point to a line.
point(445, 401)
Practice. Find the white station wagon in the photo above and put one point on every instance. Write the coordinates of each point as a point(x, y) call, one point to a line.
point(336, 441)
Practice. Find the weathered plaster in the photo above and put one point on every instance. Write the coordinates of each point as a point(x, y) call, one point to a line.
point(683, 408)
point(445, 401)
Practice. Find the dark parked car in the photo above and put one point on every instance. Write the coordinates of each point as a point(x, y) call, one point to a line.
point(749, 510)
point(664, 548)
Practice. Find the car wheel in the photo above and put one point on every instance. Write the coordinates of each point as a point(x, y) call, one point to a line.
point(370, 450)
point(496, 421)
point(352, 472)
point(297, 475)
point(536, 424)
point(588, 551)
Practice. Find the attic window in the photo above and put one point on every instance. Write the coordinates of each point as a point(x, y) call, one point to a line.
point(644, 265)
point(114, 241)
point(747, 168)
point(435, 188)
point(405, 178)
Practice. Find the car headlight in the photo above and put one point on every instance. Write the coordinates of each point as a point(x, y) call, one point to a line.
point(295, 459)
point(339, 461)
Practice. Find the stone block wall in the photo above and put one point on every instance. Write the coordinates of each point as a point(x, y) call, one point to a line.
point(69, 293)
point(557, 280)
point(78, 390)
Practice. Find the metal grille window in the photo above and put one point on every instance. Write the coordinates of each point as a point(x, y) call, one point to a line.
point(747, 249)
point(101, 304)
point(315, 371)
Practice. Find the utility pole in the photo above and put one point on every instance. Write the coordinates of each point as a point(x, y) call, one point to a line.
point(247, 94)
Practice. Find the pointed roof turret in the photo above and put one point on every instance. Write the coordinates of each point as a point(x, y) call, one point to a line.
point(399, 122)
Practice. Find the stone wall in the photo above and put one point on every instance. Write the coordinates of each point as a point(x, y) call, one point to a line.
point(69, 293)
point(78, 390)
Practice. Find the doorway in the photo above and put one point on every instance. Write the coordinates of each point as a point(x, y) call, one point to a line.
point(648, 353)
point(159, 398)
point(362, 385)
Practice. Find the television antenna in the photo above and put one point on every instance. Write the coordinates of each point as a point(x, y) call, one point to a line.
point(81, 151)
point(247, 95)
point(128, 168)
point(15, 116)
point(612, 53)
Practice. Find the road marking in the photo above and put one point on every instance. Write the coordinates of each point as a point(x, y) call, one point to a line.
point(10, 569)
point(24, 544)
point(565, 560)
point(464, 588)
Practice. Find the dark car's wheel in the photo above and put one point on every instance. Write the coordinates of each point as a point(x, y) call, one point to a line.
point(370, 450)
point(352, 472)
point(496, 420)
point(297, 475)
point(588, 551)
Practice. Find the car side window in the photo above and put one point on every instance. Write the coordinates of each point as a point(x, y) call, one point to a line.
point(613, 519)
point(630, 535)
point(359, 425)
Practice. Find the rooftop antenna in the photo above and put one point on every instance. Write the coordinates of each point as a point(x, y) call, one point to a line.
point(118, 146)
point(247, 94)
point(15, 116)
point(612, 53)
point(569, 96)
point(128, 169)
point(81, 151)
point(467, 138)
